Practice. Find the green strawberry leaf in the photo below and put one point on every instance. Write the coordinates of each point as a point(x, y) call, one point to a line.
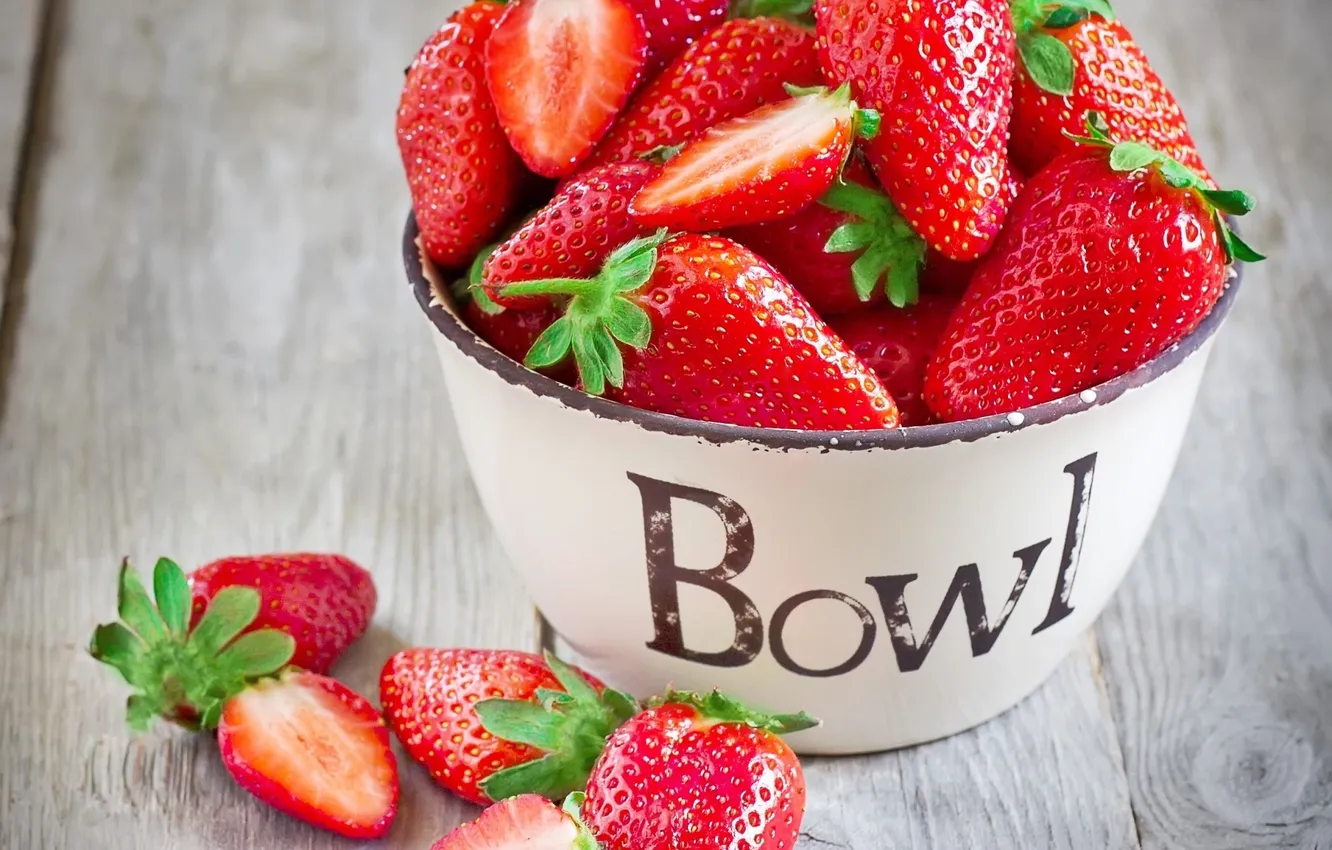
point(1048, 61)
point(1233, 202)
point(570, 679)
point(590, 368)
point(853, 236)
point(136, 609)
point(522, 722)
point(551, 776)
point(260, 653)
point(722, 708)
point(1131, 156)
point(231, 612)
point(629, 323)
point(552, 346)
point(1063, 18)
point(117, 646)
point(573, 807)
point(791, 10)
point(611, 357)
point(172, 592)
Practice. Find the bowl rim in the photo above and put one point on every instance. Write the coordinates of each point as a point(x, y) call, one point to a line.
point(446, 320)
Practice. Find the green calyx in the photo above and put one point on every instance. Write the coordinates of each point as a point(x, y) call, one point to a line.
point(602, 313)
point(866, 121)
point(1128, 157)
point(1048, 60)
point(570, 726)
point(720, 708)
point(889, 249)
point(181, 674)
point(796, 11)
point(469, 287)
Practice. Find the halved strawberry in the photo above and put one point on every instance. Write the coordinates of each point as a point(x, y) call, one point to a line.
point(310, 747)
point(758, 167)
point(559, 72)
point(526, 822)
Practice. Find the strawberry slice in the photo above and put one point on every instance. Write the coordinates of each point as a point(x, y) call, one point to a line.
point(526, 822)
point(310, 747)
point(759, 167)
point(559, 72)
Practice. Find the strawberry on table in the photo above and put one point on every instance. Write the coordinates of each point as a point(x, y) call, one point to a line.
point(758, 167)
point(313, 749)
point(560, 71)
point(464, 179)
point(1111, 255)
point(1076, 58)
point(672, 25)
point(526, 822)
point(940, 75)
point(736, 68)
point(489, 724)
point(698, 772)
point(845, 252)
point(709, 332)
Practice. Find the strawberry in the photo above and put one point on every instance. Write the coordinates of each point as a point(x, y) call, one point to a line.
point(313, 749)
point(897, 343)
point(939, 73)
point(758, 167)
point(464, 178)
point(712, 333)
point(836, 251)
point(698, 772)
point(560, 71)
point(733, 70)
point(941, 274)
point(672, 25)
point(1111, 255)
point(572, 236)
point(230, 622)
point(1076, 58)
point(528, 821)
point(488, 724)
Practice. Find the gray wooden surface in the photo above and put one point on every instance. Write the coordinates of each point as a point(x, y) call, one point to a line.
point(206, 347)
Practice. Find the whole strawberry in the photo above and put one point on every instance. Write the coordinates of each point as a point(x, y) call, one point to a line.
point(489, 724)
point(898, 343)
point(698, 772)
point(940, 75)
point(526, 821)
point(1111, 256)
point(844, 252)
point(464, 179)
point(1076, 58)
point(709, 332)
point(733, 70)
point(672, 25)
point(231, 622)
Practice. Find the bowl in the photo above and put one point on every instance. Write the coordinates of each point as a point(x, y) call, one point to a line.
point(902, 586)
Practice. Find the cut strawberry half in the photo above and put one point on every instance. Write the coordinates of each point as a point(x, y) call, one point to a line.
point(310, 747)
point(759, 167)
point(559, 72)
point(527, 822)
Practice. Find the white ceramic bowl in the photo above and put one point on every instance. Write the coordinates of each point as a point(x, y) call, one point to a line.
point(900, 585)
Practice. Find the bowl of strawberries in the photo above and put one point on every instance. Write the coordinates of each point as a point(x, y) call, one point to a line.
point(835, 354)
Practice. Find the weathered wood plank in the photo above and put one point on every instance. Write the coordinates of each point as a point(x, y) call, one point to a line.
point(1218, 653)
point(217, 354)
point(20, 39)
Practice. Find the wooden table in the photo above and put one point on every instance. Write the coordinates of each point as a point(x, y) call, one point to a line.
point(207, 347)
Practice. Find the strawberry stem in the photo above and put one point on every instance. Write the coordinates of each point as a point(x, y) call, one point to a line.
point(718, 707)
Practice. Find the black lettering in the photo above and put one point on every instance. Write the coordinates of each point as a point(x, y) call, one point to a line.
point(778, 642)
point(1083, 471)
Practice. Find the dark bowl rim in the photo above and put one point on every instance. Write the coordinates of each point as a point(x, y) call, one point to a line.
point(447, 322)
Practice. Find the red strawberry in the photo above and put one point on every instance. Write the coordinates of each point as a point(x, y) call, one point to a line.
point(733, 70)
point(560, 71)
point(464, 178)
point(183, 654)
point(939, 73)
point(836, 251)
point(672, 25)
point(526, 822)
point(307, 746)
point(1073, 63)
point(573, 234)
point(712, 333)
point(1110, 256)
point(941, 274)
point(758, 167)
point(460, 713)
point(897, 343)
point(698, 773)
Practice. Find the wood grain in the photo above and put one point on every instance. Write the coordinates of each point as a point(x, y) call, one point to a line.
point(20, 39)
point(1218, 653)
point(218, 354)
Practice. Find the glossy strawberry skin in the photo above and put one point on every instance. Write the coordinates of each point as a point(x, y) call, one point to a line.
point(325, 602)
point(1113, 77)
point(672, 25)
point(732, 341)
point(897, 343)
point(667, 781)
point(428, 697)
point(464, 179)
point(1096, 274)
point(733, 70)
point(571, 237)
point(940, 74)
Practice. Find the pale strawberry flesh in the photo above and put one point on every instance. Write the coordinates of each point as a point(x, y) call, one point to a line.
point(526, 822)
point(311, 748)
point(559, 72)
